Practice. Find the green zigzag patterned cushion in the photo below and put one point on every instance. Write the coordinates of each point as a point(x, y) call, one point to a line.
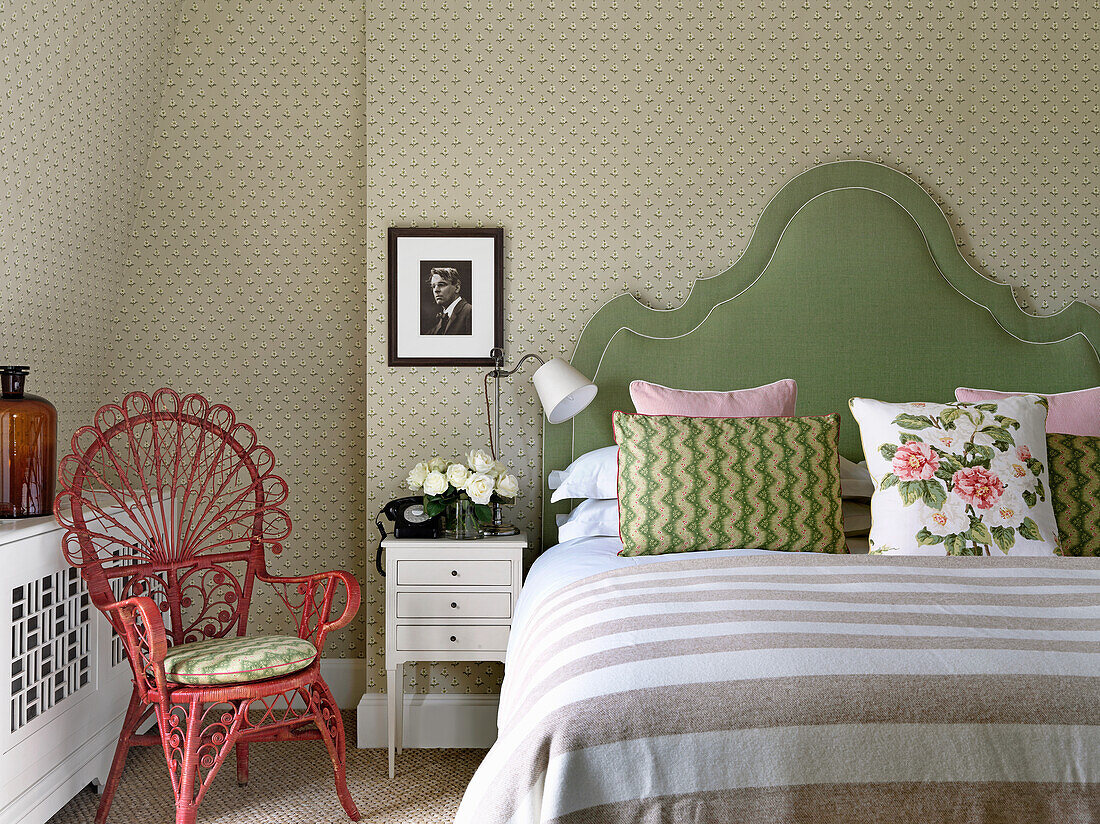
point(688, 484)
point(235, 660)
point(1075, 491)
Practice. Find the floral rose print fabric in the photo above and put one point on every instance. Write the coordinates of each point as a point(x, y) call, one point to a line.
point(958, 478)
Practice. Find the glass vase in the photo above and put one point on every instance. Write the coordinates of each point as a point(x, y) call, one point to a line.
point(459, 521)
point(28, 448)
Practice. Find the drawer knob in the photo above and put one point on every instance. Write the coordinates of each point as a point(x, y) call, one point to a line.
point(453, 638)
point(454, 572)
point(454, 605)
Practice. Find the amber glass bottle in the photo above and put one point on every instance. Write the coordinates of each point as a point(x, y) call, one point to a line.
point(28, 448)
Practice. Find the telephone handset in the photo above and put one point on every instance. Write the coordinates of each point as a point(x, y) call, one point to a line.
point(409, 521)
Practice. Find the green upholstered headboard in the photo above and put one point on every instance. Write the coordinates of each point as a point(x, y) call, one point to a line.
point(851, 284)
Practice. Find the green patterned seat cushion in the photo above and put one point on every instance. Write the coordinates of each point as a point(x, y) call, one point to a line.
point(1075, 491)
point(235, 660)
point(688, 484)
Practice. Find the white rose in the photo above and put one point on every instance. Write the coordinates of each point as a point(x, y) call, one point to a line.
point(457, 475)
point(479, 461)
point(508, 486)
point(480, 488)
point(499, 469)
point(437, 465)
point(416, 478)
point(435, 483)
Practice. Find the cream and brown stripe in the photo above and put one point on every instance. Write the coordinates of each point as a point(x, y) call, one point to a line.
point(775, 683)
point(955, 802)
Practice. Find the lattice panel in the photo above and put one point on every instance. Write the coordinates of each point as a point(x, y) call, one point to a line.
point(51, 635)
point(118, 649)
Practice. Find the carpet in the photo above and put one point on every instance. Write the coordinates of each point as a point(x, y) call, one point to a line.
point(291, 783)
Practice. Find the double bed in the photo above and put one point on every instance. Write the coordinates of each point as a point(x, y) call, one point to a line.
point(742, 685)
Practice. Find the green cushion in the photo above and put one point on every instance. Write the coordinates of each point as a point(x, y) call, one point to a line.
point(236, 660)
point(1075, 491)
point(689, 484)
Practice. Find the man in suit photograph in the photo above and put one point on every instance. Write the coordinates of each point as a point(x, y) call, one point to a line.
point(454, 310)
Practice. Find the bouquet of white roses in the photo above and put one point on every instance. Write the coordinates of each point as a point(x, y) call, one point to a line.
point(480, 479)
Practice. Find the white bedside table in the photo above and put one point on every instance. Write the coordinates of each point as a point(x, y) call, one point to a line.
point(446, 600)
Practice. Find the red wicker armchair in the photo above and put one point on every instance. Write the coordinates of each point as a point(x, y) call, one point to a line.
point(170, 505)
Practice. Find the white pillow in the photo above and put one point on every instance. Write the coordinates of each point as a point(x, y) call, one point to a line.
point(591, 518)
point(593, 475)
point(959, 478)
point(855, 479)
point(600, 518)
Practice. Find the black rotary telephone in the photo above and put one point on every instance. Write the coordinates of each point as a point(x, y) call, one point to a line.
point(409, 521)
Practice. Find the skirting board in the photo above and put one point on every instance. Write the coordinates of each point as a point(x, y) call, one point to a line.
point(346, 677)
point(431, 721)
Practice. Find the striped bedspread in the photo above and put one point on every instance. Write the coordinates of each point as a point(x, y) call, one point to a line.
point(804, 688)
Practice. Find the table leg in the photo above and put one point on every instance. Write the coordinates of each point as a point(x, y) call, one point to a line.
point(400, 706)
point(391, 705)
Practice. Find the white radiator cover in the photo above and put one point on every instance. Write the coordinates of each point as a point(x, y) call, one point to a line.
point(66, 684)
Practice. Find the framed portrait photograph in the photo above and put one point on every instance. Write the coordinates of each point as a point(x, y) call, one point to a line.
point(446, 296)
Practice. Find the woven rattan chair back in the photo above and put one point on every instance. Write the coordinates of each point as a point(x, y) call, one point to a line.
point(173, 499)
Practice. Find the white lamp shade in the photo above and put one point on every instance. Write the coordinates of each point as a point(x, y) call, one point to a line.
point(563, 391)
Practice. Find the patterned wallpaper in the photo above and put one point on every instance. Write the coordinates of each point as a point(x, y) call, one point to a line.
point(622, 145)
point(79, 87)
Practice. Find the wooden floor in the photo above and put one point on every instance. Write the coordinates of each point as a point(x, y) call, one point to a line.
point(292, 784)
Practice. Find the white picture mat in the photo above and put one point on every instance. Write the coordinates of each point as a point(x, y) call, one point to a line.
point(410, 252)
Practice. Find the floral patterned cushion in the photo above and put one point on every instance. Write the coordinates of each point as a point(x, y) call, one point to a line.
point(233, 660)
point(959, 478)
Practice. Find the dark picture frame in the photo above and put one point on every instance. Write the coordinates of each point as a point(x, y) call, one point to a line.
point(445, 296)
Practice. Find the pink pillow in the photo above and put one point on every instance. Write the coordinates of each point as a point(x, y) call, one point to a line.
point(1071, 413)
point(772, 401)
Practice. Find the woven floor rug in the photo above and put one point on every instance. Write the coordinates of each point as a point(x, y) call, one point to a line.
point(292, 784)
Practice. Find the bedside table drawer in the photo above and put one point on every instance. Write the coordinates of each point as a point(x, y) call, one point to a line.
point(454, 604)
point(454, 573)
point(452, 637)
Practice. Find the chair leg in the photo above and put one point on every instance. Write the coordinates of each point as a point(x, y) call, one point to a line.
point(129, 725)
point(186, 813)
point(187, 807)
point(242, 764)
point(326, 715)
point(183, 750)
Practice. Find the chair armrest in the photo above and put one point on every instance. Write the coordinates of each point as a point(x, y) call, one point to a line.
point(139, 622)
point(309, 598)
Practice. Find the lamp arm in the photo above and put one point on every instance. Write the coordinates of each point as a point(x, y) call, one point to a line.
point(521, 361)
point(499, 373)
